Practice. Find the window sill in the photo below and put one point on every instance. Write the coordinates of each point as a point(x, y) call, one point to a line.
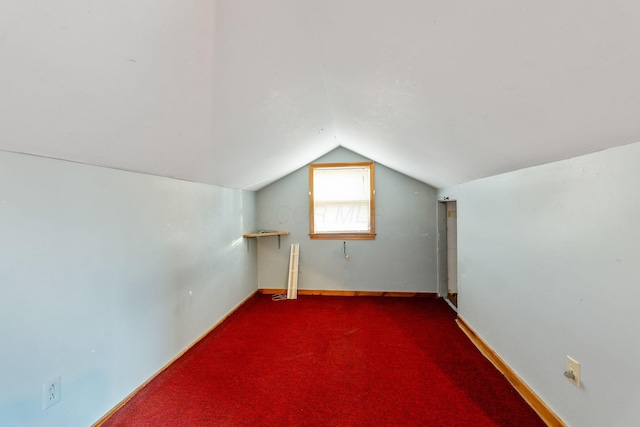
point(342, 236)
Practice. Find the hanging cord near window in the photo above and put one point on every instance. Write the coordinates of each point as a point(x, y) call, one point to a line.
point(344, 249)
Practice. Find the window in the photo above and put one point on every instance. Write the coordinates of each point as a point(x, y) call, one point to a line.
point(341, 201)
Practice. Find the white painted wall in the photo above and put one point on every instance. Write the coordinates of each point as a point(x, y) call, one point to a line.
point(105, 276)
point(549, 261)
point(403, 256)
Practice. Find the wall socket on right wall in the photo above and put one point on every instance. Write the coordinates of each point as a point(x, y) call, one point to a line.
point(573, 371)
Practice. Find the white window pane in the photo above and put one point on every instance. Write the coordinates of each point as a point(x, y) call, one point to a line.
point(342, 199)
point(341, 184)
point(341, 217)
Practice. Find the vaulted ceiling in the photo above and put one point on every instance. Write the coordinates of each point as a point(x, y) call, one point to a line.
point(239, 93)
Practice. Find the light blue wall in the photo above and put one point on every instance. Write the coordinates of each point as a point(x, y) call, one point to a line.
point(549, 266)
point(105, 276)
point(401, 258)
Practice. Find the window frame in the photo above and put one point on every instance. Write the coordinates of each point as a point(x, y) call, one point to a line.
point(353, 235)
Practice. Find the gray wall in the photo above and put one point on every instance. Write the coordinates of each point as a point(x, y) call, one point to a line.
point(401, 258)
point(549, 261)
point(105, 276)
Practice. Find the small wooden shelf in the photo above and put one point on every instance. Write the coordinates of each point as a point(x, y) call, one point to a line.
point(266, 234)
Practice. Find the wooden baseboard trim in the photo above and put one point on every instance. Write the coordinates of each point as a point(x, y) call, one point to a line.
point(538, 405)
point(124, 401)
point(352, 293)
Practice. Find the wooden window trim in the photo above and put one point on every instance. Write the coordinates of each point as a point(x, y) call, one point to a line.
point(369, 235)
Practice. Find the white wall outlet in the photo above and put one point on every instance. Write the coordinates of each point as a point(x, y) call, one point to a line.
point(573, 371)
point(51, 392)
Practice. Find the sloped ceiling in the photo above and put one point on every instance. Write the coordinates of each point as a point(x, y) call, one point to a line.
point(239, 93)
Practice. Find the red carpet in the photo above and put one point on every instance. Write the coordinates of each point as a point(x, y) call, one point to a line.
point(331, 361)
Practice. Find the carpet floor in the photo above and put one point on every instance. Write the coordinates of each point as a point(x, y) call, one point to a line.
point(331, 361)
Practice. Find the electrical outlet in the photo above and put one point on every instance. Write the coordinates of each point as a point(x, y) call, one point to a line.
point(573, 371)
point(51, 392)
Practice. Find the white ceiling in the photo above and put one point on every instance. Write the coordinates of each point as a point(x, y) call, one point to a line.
point(239, 93)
